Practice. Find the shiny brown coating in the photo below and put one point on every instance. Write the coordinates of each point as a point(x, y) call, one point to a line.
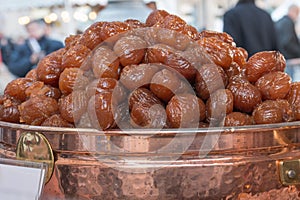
point(134, 23)
point(130, 50)
point(220, 52)
point(293, 98)
point(9, 111)
point(100, 111)
point(235, 69)
point(57, 121)
point(238, 119)
point(144, 97)
point(219, 104)
point(240, 56)
point(37, 109)
point(39, 88)
point(91, 36)
point(32, 74)
point(156, 16)
point(50, 67)
point(262, 63)
point(107, 85)
point(268, 112)
point(72, 79)
point(73, 106)
point(274, 85)
point(72, 40)
point(245, 95)
point(209, 78)
point(75, 56)
point(110, 29)
point(225, 37)
point(105, 63)
point(164, 84)
point(287, 110)
point(17, 87)
point(184, 111)
point(135, 76)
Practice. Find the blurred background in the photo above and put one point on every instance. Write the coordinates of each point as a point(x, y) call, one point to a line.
point(67, 17)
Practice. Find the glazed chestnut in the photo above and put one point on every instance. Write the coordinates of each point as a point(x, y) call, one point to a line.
point(268, 112)
point(287, 110)
point(210, 77)
point(130, 49)
point(144, 97)
point(37, 109)
point(262, 63)
point(166, 83)
point(110, 29)
point(9, 111)
point(274, 85)
point(135, 76)
point(220, 52)
point(32, 74)
point(185, 111)
point(91, 36)
point(72, 79)
point(234, 69)
point(50, 67)
point(148, 116)
point(57, 121)
point(73, 106)
point(223, 36)
point(72, 40)
point(17, 87)
point(134, 23)
point(105, 63)
point(156, 16)
point(100, 111)
point(245, 95)
point(39, 88)
point(219, 105)
point(293, 98)
point(240, 56)
point(75, 56)
point(107, 85)
point(238, 119)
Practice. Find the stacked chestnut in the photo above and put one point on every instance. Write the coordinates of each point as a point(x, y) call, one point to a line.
point(159, 74)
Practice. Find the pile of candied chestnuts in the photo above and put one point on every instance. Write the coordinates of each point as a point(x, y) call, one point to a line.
point(159, 74)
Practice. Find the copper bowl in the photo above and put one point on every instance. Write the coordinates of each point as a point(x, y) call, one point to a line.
point(249, 162)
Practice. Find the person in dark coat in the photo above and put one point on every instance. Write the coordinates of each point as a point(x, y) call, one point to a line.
point(26, 56)
point(288, 42)
point(251, 27)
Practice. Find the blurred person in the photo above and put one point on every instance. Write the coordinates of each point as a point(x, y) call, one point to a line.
point(251, 27)
point(26, 56)
point(288, 41)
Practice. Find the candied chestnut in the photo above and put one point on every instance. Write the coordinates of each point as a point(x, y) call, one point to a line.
point(135, 76)
point(156, 16)
point(39, 88)
point(130, 49)
point(219, 104)
point(274, 85)
point(32, 74)
point(287, 110)
point(185, 111)
point(134, 23)
point(107, 85)
point(245, 95)
point(9, 111)
point(72, 79)
point(293, 98)
point(210, 77)
point(148, 116)
point(268, 112)
point(49, 68)
point(37, 109)
point(17, 87)
point(57, 121)
point(75, 56)
point(225, 37)
point(262, 63)
point(105, 63)
point(110, 29)
point(91, 36)
point(73, 106)
point(240, 56)
point(166, 83)
point(220, 52)
point(143, 96)
point(234, 69)
point(100, 111)
point(238, 119)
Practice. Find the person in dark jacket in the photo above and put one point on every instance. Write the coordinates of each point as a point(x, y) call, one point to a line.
point(26, 56)
point(288, 42)
point(251, 27)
